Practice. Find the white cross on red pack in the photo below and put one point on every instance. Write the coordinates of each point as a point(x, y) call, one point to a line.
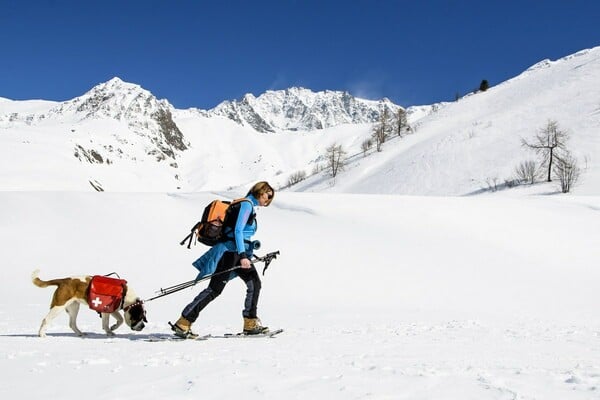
point(97, 301)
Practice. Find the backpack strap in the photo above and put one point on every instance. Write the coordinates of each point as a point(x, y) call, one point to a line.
point(190, 236)
point(251, 218)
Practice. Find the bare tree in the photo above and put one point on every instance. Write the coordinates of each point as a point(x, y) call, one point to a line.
point(379, 136)
point(567, 172)
point(381, 129)
point(335, 156)
point(296, 177)
point(366, 145)
point(527, 171)
point(317, 168)
point(547, 143)
point(401, 122)
point(492, 184)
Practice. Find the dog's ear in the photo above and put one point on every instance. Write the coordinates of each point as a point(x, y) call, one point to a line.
point(143, 309)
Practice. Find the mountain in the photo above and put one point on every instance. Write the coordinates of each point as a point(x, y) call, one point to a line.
point(299, 109)
point(144, 114)
point(124, 127)
point(115, 100)
point(119, 137)
point(475, 144)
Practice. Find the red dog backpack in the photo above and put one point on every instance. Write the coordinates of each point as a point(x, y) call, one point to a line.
point(106, 294)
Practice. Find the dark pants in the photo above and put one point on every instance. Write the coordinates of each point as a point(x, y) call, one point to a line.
point(217, 284)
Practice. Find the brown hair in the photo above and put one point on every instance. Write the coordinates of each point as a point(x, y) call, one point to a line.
point(260, 188)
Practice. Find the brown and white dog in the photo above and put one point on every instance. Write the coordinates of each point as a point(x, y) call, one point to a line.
point(71, 292)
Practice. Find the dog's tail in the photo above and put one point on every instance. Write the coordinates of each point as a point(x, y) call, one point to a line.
point(40, 283)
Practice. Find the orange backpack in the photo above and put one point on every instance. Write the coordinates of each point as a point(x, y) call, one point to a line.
point(217, 215)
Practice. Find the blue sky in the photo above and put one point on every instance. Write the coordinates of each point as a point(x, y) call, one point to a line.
point(199, 53)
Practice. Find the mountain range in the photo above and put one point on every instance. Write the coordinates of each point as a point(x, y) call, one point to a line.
point(120, 137)
point(299, 109)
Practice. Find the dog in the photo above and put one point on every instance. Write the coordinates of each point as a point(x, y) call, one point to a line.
point(71, 292)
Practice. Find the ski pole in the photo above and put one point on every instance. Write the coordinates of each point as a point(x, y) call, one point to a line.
point(266, 259)
point(185, 285)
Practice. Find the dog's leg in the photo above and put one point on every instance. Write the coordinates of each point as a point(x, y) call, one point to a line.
point(73, 310)
point(54, 311)
point(105, 317)
point(117, 315)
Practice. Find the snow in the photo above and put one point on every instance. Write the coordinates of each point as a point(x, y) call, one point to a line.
point(403, 278)
point(300, 109)
point(458, 148)
point(468, 144)
point(485, 297)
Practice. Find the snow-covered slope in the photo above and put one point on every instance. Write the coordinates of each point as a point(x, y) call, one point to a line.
point(475, 143)
point(443, 298)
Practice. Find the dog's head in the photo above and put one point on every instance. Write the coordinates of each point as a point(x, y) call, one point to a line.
point(135, 315)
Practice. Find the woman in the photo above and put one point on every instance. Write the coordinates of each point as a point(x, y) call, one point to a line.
point(224, 255)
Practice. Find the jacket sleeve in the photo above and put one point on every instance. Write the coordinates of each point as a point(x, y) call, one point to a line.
point(238, 232)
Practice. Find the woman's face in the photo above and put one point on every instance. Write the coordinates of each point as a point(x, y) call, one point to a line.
point(265, 198)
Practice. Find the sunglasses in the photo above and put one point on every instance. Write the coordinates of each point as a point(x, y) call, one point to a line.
point(269, 196)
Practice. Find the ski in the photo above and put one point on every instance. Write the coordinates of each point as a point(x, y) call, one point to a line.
point(269, 334)
point(173, 338)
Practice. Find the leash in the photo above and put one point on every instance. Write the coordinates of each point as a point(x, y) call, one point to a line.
point(184, 285)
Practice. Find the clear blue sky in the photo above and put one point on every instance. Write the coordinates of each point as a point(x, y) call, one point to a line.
point(199, 53)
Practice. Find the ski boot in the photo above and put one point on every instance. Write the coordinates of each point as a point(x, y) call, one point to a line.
point(253, 326)
point(183, 329)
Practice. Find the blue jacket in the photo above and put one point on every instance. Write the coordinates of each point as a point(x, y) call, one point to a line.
point(242, 233)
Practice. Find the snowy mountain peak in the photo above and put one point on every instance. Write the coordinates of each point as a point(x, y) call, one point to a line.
point(115, 120)
point(117, 82)
point(144, 114)
point(114, 99)
point(298, 108)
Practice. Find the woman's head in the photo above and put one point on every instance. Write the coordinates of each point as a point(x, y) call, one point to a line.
point(263, 192)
